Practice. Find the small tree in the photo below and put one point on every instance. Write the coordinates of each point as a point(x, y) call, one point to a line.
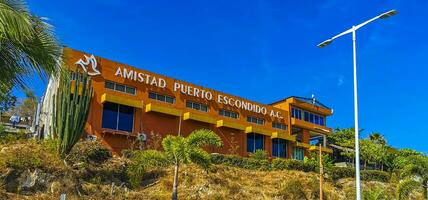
point(177, 150)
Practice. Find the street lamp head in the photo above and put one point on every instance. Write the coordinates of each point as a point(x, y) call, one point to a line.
point(325, 43)
point(388, 14)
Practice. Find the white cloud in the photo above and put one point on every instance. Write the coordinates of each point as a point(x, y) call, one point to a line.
point(340, 80)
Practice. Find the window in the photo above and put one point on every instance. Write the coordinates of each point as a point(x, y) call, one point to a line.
point(279, 148)
point(255, 120)
point(119, 87)
point(254, 142)
point(197, 106)
point(296, 113)
point(298, 153)
point(118, 117)
point(306, 116)
point(279, 126)
point(228, 113)
point(313, 118)
point(161, 97)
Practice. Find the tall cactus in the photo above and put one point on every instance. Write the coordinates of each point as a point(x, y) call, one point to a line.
point(71, 108)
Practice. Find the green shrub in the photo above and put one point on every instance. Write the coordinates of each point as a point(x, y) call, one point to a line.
point(89, 152)
point(29, 155)
point(375, 175)
point(236, 161)
point(290, 164)
point(259, 155)
point(7, 138)
point(250, 163)
point(337, 173)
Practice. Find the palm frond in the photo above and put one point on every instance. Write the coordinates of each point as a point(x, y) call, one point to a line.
point(204, 137)
point(27, 44)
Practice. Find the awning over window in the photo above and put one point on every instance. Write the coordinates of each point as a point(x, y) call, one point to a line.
point(162, 109)
point(223, 123)
point(303, 145)
point(254, 129)
point(323, 149)
point(199, 117)
point(283, 135)
point(121, 100)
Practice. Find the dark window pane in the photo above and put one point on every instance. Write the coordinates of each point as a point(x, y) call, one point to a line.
point(120, 87)
point(317, 119)
point(250, 142)
point(322, 121)
point(109, 119)
point(275, 147)
point(279, 148)
point(152, 95)
point(161, 97)
point(311, 118)
point(204, 108)
point(126, 118)
point(298, 154)
point(196, 106)
point(248, 119)
point(130, 90)
point(259, 141)
point(109, 85)
point(189, 104)
point(169, 99)
point(306, 117)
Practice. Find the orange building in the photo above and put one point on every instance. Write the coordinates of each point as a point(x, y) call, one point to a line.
point(130, 103)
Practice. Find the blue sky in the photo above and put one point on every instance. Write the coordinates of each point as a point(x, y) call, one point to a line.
point(266, 50)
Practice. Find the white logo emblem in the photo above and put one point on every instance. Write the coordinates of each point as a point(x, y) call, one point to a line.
point(93, 62)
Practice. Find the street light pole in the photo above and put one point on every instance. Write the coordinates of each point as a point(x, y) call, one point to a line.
point(354, 47)
point(357, 145)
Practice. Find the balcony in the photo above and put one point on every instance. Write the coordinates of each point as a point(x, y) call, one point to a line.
point(283, 135)
point(302, 145)
point(323, 149)
point(310, 126)
point(162, 109)
point(234, 125)
point(259, 130)
point(121, 100)
point(199, 117)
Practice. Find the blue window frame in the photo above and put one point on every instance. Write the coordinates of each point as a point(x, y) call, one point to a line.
point(296, 113)
point(118, 117)
point(321, 121)
point(298, 153)
point(255, 120)
point(279, 148)
point(254, 142)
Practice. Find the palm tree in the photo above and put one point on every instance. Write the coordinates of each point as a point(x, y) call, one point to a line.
point(377, 138)
point(415, 175)
point(177, 150)
point(27, 44)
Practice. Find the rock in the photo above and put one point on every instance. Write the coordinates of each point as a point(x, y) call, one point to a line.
point(36, 181)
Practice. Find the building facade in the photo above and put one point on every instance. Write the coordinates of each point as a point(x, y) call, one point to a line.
point(130, 103)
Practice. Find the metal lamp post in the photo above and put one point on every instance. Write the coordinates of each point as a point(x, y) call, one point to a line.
point(327, 42)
